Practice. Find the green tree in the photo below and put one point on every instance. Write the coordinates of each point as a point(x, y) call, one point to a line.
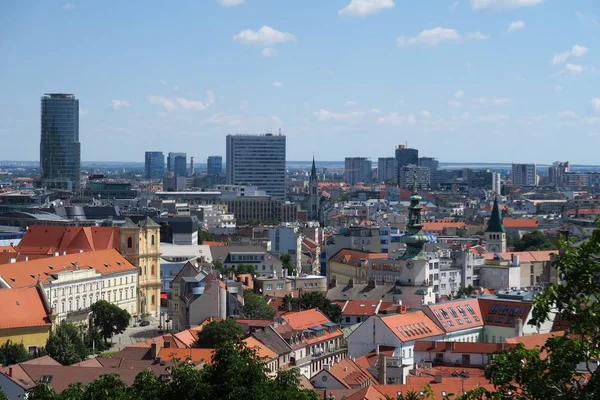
point(75, 391)
point(255, 307)
point(42, 392)
point(146, 386)
point(109, 386)
point(245, 269)
point(286, 263)
point(205, 236)
point(314, 300)
point(524, 372)
point(66, 345)
point(465, 291)
point(216, 333)
point(13, 353)
point(109, 318)
point(532, 241)
point(3, 395)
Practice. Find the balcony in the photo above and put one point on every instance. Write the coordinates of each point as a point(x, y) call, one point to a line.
point(317, 355)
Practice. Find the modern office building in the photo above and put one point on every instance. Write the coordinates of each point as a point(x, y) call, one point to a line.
point(214, 165)
point(524, 175)
point(429, 162)
point(257, 160)
point(358, 169)
point(387, 170)
point(406, 156)
point(409, 173)
point(177, 164)
point(155, 165)
point(496, 183)
point(557, 172)
point(60, 150)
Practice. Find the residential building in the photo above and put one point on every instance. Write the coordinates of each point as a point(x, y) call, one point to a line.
point(524, 175)
point(26, 317)
point(460, 319)
point(264, 262)
point(495, 234)
point(287, 240)
point(406, 156)
point(357, 311)
point(455, 353)
point(358, 169)
point(429, 162)
point(271, 339)
point(525, 269)
point(60, 150)
point(279, 286)
point(155, 165)
point(346, 374)
point(482, 180)
point(314, 339)
point(314, 197)
point(178, 169)
point(214, 165)
point(409, 174)
point(261, 208)
point(351, 266)
point(557, 173)
point(257, 160)
point(73, 282)
point(497, 183)
point(174, 257)
point(400, 332)
point(387, 170)
point(179, 229)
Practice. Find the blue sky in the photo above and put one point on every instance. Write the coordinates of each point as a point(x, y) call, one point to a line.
point(467, 80)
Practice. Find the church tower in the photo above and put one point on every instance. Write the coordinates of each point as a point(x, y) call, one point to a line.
point(314, 200)
point(416, 262)
point(495, 234)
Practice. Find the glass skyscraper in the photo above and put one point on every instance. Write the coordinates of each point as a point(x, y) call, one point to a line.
point(214, 165)
point(155, 165)
point(257, 160)
point(60, 150)
point(177, 164)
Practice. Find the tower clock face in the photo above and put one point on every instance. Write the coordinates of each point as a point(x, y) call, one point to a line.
point(409, 264)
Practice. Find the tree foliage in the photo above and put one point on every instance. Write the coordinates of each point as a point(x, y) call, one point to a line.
point(204, 236)
point(216, 333)
point(532, 241)
point(109, 318)
point(13, 353)
point(310, 300)
point(465, 291)
point(238, 269)
point(66, 344)
point(255, 307)
point(235, 372)
point(563, 368)
point(287, 263)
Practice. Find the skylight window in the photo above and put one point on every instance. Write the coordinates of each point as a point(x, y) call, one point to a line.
point(494, 309)
point(461, 311)
point(444, 313)
point(459, 321)
point(470, 309)
point(514, 311)
point(454, 314)
point(450, 323)
point(468, 320)
point(504, 310)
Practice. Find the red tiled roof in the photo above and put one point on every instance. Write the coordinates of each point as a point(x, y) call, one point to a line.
point(534, 341)
point(300, 320)
point(262, 351)
point(27, 273)
point(412, 326)
point(525, 256)
point(497, 312)
point(353, 257)
point(457, 314)
point(520, 223)
point(45, 240)
point(193, 354)
point(22, 308)
point(460, 347)
point(438, 226)
point(360, 307)
point(584, 211)
point(349, 374)
point(368, 393)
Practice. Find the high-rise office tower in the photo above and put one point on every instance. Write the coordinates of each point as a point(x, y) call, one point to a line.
point(192, 169)
point(214, 165)
point(257, 160)
point(557, 172)
point(406, 156)
point(411, 173)
point(358, 169)
point(60, 150)
point(524, 175)
point(155, 164)
point(172, 169)
point(387, 170)
point(429, 162)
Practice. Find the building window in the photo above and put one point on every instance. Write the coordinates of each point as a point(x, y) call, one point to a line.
point(153, 300)
point(129, 242)
point(153, 270)
point(152, 240)
point(269, 287)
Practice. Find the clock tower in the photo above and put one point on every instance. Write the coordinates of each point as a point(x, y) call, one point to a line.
point(495, 234)
point(415, 259)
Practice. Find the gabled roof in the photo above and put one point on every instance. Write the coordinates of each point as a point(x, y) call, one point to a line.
point(262, 351)
point(364, 307)
point(23, 308)
point(300, 320)
point(524, 223)
point(193, 354)
point(457, 314)
point(27, 273)
point(272, 340)
point(349, 374)
point(504, 313)
point(148, 222)
point(368, 393)
point(412, 326)
point(353, 257)
point(129, 224)
point(524, 256)
point(46, 240)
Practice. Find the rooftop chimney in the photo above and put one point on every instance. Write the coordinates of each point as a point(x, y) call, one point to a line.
point(351, 283)
point(56, 254)
point(12, 260)
point(519, 327)
point(371, 283)
point(382, 370)
point(154, 348)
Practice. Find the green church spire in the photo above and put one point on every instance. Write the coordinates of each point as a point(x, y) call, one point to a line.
point(313, 171)
point(415, 239)
point(495, 222)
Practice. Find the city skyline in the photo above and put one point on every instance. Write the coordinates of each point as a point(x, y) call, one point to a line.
point(433, 74)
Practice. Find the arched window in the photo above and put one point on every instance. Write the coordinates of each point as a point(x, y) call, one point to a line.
point(145, 270)
point(129, 242)
point(152, 240)
point(153, 270)
point(153, 299)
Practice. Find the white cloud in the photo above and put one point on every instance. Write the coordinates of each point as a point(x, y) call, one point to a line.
point(276, 120)
point(497, 102)
point(515, 26)
point(351, 103)
point(468, 65)
point(277, 84)
point(502, 4)
point(268, 52)
point(231, 3)
point(265, 36)
point(576, 51)
point(164, 83)
point(579, 15)
point(244, 104)
point(567, 114)
point(176, 88)
point(68, 6)
point(432, 37)
point(82, 111)
point(454, 5)
point(596, 103)
point(325, 115)
point(169, 105)
point(459, 94)
point(425, 113)
point(397, 119)
point(362, 8)
point(197, 104)
point(572, 69)
point(454, 103)
point(116, 104)
point(375, 111)
point(558, 89)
